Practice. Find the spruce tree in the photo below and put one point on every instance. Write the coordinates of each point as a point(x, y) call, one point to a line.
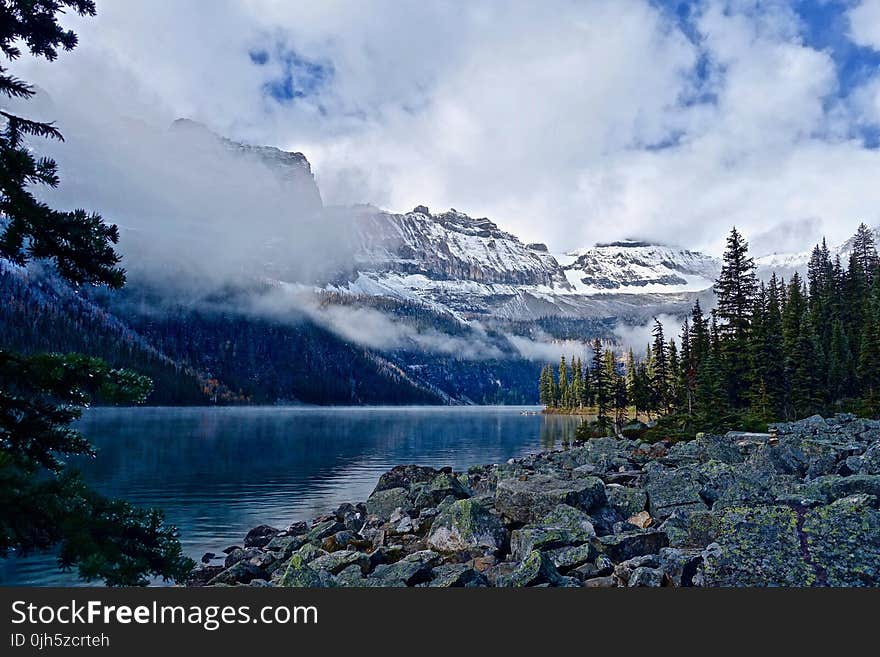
point(800, 345)
point(577, 376)
point(839, 382)
point(545, 387)
point(564, 399)
point(735, 289)
point(865, 252)
point(687, 372)
point(601, 386)
point(44, 505)
point(659, 349)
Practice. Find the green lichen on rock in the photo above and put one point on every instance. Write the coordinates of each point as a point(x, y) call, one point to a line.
point(757, 546)
point(626, 501)
point(535, 568)
point(466, 525)
point(298, 574)
point(384, 502)
point(531, 498)
point(843, 539)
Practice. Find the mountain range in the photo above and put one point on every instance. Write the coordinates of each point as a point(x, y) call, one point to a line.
point(415, 307)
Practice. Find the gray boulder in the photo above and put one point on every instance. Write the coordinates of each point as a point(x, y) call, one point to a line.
point(671, 489)
point(466, 525)
point(625, 500)
point(530, 499)
point(843, 540)
point(536, 568)
point(384, 502)
point(620, 547)
point(756, 546)
point(336, 562)
point(457, 575)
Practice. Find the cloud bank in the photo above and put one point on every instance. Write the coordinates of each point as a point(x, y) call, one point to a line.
point(568, 122)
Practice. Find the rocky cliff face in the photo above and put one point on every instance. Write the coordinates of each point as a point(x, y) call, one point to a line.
point(795, 507)
point(452, 246)
point(640, 267)
point(472, 268)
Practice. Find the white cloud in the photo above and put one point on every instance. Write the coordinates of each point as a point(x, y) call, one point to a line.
point(537, 115)
point(864, 23)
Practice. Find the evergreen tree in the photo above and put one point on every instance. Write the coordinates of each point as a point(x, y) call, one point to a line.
point(735, 289)
point(711, 410)
point(43, 504)
point(687, 379)
point(661, 379)
point(564, 398)
point(577, 375)
point(601, 386)
point(545, 387)
point(839, 363)
point(864, 251)
point(799, 345)
point(869, 352)
point(674, 375)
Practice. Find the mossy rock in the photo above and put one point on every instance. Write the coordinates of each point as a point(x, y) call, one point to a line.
point(465, 525)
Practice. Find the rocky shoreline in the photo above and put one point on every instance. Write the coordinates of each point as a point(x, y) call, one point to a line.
point(795, 507)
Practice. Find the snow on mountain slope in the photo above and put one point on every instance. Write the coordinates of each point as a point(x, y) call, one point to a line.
point(470, 267)
point(452, 246)
point(786, 264)
point(639, 267)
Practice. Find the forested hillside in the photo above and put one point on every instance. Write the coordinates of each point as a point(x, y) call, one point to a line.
point(41, 314)
point(775, 350)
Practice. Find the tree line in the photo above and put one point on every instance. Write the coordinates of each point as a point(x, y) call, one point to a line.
point(768, 351)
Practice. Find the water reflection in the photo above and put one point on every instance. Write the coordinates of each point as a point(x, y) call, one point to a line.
point(219, 471)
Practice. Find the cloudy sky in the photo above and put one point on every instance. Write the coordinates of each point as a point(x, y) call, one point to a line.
point(566, 122)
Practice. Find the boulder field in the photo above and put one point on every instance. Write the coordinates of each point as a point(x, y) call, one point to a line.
point(794, 507)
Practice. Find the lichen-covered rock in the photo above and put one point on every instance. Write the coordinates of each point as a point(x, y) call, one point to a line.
point(620, 547)
point(530, 538)
point(285, 545)
point(335, 562)
point(843, 541)
point(323, 529)
point(405, 476)
point(624, 570)
point(627, 501)
point(531, 498)
point(869, 462)
point(386, 501)
point(671, 489)
point(578, 523)
point(646, 577)
point(457, 575)
point(465, 526)
point(756, 546)
point(680, 565)
point(259, 536)
point(241, 572)
point(572, 556)
point(535, 568)
point(439, 488)
point(402, 573)
point(298, 574)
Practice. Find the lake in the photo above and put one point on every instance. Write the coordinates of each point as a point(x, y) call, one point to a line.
point(217, 472)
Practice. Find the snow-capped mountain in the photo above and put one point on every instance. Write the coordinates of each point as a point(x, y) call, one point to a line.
point(639, 267)
point(472, 268)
